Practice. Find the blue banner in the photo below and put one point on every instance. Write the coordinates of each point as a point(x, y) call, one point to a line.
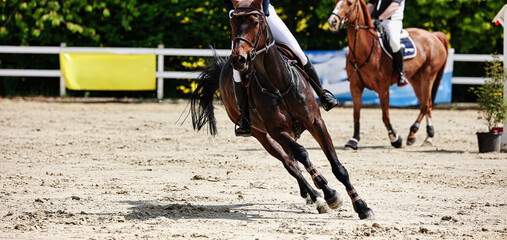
point(330, 66)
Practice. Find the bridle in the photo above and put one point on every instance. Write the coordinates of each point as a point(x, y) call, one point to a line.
point(246, 11)
point(344, 21)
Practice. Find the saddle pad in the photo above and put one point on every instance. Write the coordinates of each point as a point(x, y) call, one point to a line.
point(406, 42)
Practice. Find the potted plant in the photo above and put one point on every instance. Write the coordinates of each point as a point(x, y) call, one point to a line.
point(492, 106)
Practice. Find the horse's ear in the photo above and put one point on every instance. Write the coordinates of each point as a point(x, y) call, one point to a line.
point(249, 3)
point(257, 3)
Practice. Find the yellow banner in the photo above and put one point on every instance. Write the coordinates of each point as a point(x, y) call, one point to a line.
point(108, 72)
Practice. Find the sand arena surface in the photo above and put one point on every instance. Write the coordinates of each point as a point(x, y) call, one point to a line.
point(133, 171)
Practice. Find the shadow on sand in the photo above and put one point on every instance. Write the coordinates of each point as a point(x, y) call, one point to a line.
point(144, 210)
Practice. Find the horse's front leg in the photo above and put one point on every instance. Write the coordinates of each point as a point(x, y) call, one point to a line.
point(396, 140)
point(321, 135)
point(356, 92)
point(273, 148)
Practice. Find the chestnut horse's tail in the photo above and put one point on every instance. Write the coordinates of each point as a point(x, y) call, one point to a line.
point(201, 101)
point(441, 36)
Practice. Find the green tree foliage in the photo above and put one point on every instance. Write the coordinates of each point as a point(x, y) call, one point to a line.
point(199, 24)
point(466, 22)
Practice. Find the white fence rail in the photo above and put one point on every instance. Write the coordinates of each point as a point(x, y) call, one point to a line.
point(161, 52)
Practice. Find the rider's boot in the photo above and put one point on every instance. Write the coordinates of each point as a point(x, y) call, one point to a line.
point(327, 99)
point(244, 129)
point(398, 65)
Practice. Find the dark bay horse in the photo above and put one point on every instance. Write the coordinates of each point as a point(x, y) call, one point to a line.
point(282, 106)
point(368, 66)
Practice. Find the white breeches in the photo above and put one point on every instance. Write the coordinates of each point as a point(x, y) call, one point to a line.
point(393, 31)
point(282, 35)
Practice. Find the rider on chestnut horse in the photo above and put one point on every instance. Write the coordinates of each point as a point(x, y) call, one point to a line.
point(281, 35)
point(389, 14)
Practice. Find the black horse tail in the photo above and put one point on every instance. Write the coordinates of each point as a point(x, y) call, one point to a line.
point(201, 101)
point(441, 36)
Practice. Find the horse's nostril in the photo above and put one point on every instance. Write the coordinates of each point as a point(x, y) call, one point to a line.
point(241, 60)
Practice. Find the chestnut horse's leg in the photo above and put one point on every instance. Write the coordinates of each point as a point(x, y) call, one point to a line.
point(423, 93)
point(273, 148)
point(395, 139)
point(429, 130)
point(356, 92)
point(321, 135)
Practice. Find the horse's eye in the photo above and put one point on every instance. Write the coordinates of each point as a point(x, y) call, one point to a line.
point(349, 3)
point(256, 23)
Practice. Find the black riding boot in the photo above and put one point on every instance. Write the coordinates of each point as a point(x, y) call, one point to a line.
point(398, 65)
point(243, 130)
point(327, 99)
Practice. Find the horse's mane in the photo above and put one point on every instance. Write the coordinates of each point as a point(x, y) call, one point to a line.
point(366, 14)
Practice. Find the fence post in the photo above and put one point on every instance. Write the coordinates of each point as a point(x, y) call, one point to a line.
point(62, 79)
point(160, 70)
point(503, 142)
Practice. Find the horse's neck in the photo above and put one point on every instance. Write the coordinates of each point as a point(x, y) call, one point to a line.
point(271, 68)
point(361, 40)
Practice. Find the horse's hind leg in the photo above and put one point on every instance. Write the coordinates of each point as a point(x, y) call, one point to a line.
point(430, 131)
point(273, 148)
point(414, 128)
point(331, 196)
point(424, 96)
point(321, 135)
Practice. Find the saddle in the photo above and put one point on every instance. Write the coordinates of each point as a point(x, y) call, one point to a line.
point(407, 44)
point(291, 57)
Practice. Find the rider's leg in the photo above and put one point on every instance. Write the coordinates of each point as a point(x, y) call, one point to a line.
point(393, 30)
point(282, 34)
point(243, 129)
point(327, 99)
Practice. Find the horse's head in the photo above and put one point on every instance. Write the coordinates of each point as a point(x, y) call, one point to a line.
point(249, 33)
point(345, 11)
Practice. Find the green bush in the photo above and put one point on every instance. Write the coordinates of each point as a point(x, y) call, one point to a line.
point(492, 106)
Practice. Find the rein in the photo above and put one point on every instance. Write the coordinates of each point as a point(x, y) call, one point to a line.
point(254, 52)
point(344, 21)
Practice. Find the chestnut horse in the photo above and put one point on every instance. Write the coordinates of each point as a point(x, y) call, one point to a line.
point(368, 66)
point(282, 105)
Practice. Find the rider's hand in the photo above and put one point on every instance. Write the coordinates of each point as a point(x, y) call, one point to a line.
point(378, 25)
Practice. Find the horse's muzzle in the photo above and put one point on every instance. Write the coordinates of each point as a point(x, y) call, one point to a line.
point(239, 63)
point(334, 24)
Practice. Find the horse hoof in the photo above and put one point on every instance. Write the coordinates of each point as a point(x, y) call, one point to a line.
point(410, 141)
point(368, 214)
point(335, 201)
point(398, 143)
point(351, 145)
point(428, 142)
point(322, 206)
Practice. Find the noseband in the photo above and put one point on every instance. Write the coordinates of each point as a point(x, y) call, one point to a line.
point(345, 19)
point(241, 12)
